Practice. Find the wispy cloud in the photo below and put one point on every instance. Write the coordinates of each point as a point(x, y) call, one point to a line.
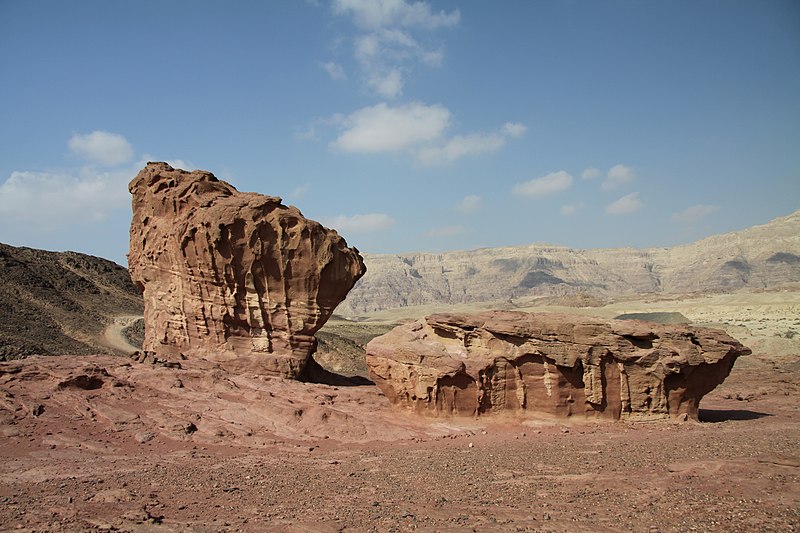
point(591, 173)
point(334, 70)
point(387, 46)
point(360, 223)
point(694, 213)
point(174, 163)
point(101, 147)
point(68, 197)
point(544, 185)
point(618, 176)
point(376, 14)
point(469, 204)
point(467, 145)
point(299, 192)
point(630, 203)
point(387, 84)
point(52, 199)
point(571, 209)
point(513, 129)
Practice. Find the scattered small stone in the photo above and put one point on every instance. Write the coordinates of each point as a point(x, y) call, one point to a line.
point(144, 437)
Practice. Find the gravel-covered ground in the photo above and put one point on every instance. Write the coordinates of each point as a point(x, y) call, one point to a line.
point(77, 461)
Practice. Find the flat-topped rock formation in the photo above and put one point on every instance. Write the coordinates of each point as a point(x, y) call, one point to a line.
point(760, 257)
point(552, 364)
point(233, 277)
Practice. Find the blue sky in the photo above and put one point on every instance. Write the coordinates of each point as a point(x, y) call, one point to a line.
point(407, 126)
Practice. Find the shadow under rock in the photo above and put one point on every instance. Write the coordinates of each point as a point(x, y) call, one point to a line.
point(314, 373)
point(724, 415)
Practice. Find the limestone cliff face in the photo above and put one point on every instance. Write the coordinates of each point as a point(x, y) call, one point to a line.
point(232, 277)
point(560, 365)
point(759, 257)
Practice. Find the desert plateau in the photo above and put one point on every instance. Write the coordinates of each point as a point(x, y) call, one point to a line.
point(237, 396)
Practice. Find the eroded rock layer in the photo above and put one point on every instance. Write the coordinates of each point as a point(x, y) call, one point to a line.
point(233, 277)
point(560, 365)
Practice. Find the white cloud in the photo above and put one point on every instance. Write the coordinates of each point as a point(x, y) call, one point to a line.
point(514, 129)
point(386, 48)
point(591, 173)
point(375, 14)
point(618, 176)
point(630, 203)
point(694, 213)
point(416, 128)
point(382, 128)
point(47, 200)
point(469, 204)
point(299, 192)
point(467, 145)
point(334, 70)
point(360, 223)
point(548, 184)
point(445, 231)
point(102, 147)
point(571, 209)
point(311, 131)
point(460, 146)
point(432, 58)
point(367, 47)
point(178, 163)
point(388, 85)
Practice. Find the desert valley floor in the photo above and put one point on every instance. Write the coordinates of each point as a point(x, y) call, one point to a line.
point(105, 443)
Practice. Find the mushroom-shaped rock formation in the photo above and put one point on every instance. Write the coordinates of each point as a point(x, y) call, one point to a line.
point(237, 278)
point(560, 365)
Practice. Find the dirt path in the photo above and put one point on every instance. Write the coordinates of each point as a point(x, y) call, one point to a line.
point(113, 336)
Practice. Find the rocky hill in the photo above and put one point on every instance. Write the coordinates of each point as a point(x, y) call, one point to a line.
point(763, 256)
point(60, 302)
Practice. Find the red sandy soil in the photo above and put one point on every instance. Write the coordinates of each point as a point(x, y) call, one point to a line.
point(141, 447)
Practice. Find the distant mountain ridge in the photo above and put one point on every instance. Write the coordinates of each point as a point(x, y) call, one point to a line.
point(60, 302)
point(763, 256)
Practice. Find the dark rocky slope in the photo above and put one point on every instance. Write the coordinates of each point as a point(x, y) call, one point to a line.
point(60, 302)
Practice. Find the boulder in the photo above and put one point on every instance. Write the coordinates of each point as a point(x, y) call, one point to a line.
point(559, 365)
point(237, 278)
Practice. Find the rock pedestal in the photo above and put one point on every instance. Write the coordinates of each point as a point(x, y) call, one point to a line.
point(560, 365)
point(233, 277)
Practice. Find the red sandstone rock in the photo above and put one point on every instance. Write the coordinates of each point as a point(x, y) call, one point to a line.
point(560, 365)
point(237, 278)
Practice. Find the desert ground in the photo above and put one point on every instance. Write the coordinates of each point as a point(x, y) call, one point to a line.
point(106, 443)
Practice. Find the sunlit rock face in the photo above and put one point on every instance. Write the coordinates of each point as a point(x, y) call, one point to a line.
point(237, 278)
point(558, 365)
